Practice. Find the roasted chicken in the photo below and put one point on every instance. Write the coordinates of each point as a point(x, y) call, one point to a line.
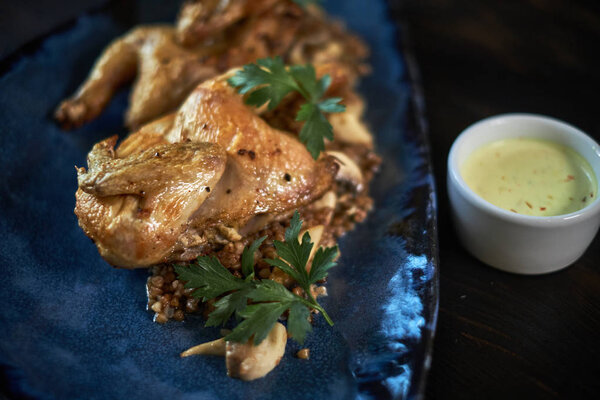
point(211, 36)
point(204, 173)
point(194, 179)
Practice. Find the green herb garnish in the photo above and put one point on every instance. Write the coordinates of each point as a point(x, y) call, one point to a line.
point(305, 3)
point(269, 299)
point(269, 81)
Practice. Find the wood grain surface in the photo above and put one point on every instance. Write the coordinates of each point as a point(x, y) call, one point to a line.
point(499, 335)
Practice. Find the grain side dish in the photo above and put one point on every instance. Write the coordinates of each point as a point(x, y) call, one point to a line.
point(248, 158)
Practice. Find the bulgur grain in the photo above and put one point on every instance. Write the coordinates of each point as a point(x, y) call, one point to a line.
point(160, 318)
point(170, 275)
point(178, 315)
point(191, 305)
point(303, 354)
point(264, 273)
point(157, 281)
point(157, 307)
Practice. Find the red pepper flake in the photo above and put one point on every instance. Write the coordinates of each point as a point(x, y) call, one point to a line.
point(513, 210)
point(528, 204)
point(543, 208)
point(569, 178)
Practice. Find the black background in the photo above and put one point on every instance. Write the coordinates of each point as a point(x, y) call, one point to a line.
point(499, 335)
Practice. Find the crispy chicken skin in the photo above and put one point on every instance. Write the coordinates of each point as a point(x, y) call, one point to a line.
point(164, 74)
point(200, 19)
point(166, 63)
point(193, 178)
point(135, 207)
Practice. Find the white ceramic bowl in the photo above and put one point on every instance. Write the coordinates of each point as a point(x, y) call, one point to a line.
point(514, 242)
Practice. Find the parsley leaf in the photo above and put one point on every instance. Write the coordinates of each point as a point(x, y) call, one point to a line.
point(271, 78)
point(305, 3)
point(306, 77)
point(331, 105)
point(258, 322)
point(209, 277)
point(294, 256)
point(248, 258)
point(234, 303)
point(293, 260)
point(322, 262)
point(268, 290)
point(315, 122)
point(269, 81)
point(269, 299)
point(298, 324)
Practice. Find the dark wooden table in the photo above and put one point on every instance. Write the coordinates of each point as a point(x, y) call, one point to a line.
point(499, 335)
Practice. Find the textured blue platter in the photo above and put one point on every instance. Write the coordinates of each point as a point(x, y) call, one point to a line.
point(72, 327)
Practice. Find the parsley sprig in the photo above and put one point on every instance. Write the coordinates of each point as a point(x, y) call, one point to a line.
point(305, 3)
point(269, 81)
point(268, 299)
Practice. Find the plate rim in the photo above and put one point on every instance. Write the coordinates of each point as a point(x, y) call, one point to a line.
point(417, 122)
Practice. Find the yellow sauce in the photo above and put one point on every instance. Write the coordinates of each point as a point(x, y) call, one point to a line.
point(531, 177)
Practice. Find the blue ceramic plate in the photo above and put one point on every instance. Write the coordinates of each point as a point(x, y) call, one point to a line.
point(73, 327)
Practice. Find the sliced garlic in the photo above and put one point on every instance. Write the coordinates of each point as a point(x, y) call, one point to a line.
point(244, 360)
point(349, 171)
point(248, 362)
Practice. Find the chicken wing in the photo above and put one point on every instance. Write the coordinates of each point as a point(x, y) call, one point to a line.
point(164, 74)
point(135, 208)
point(211, 36)
point(193, 180)
point(200, 19)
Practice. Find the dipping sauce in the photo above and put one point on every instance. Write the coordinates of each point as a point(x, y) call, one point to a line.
point(531, 176)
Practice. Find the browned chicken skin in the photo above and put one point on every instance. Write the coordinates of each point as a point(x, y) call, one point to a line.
point(136, 207)
point(165, 73)
point(192, 179)
point(200, 19)
point(211, 36)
